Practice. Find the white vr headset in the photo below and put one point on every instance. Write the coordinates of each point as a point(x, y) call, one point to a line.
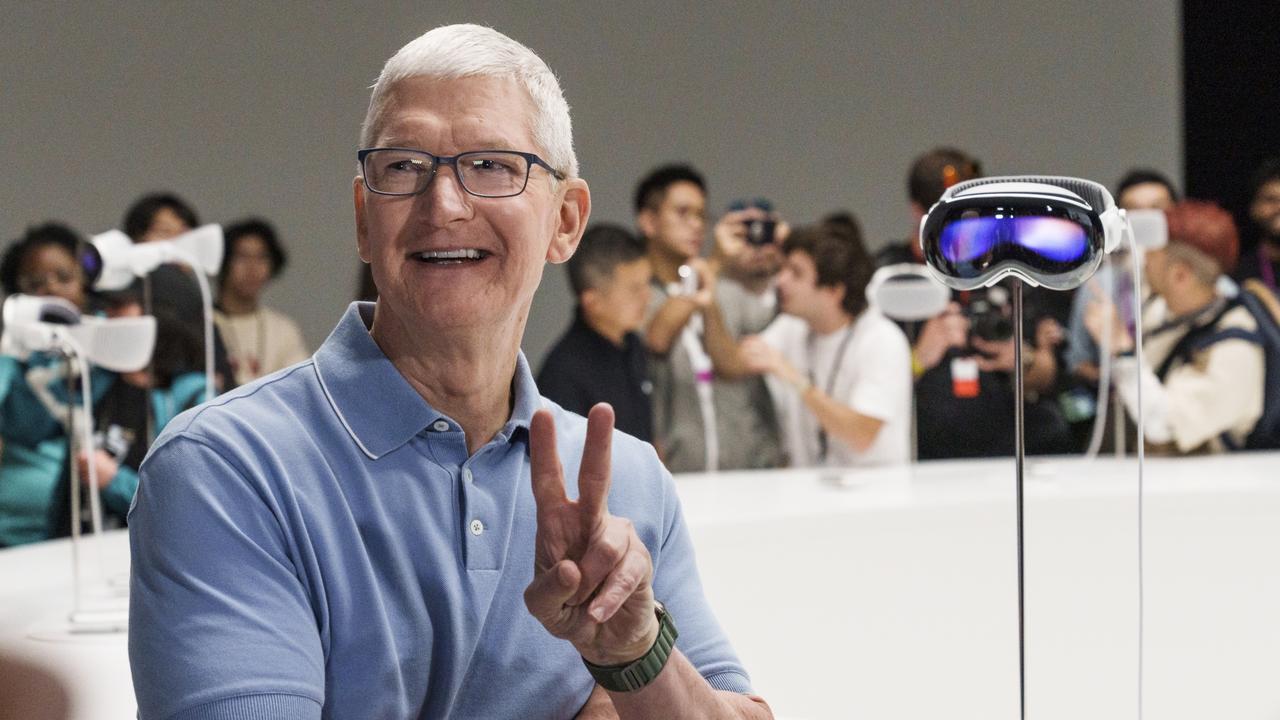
point(1047, 231)
point(49, 324)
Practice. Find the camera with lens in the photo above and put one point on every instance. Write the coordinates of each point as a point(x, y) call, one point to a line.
point(988, 321)
point(759, 231)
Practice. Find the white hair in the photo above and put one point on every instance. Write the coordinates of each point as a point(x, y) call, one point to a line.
point(458, 51)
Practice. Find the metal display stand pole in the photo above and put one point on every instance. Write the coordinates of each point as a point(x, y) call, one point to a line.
point(1020, 448)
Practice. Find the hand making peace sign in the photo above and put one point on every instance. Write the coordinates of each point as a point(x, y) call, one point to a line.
point(592, 574)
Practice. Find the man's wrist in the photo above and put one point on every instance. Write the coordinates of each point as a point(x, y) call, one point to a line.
point(619, 657)
point(644, 669)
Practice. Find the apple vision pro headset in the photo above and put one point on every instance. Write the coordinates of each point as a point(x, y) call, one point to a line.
point(1045, 231)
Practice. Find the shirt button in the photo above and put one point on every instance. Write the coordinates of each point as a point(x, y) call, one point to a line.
point(440, 426)
point(466, 475)
point(477, 527)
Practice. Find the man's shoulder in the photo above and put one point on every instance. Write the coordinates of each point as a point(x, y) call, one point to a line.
point(269, 407)
point(1238, 318)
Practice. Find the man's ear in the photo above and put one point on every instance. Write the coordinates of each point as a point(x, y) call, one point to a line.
point(589, 299)
point(362, 235)
point(575, 208)
point(647, 223)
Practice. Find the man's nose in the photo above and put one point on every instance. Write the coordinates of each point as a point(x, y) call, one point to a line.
point(444, 200)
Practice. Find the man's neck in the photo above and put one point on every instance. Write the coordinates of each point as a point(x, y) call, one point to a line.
point(827, 322)
point(1193, 301)
point(459, 372)
point(612, 332)
point(666, 267)
point(233, 304)
point(1271, 248)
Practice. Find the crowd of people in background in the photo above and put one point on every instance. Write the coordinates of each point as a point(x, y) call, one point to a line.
point(751, 346)
point(763, 351)
point(40, 397)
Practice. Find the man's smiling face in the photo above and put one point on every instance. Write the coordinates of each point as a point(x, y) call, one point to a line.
point(446, 258)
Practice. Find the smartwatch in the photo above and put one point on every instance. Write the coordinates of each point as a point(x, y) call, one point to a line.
point(642, 671)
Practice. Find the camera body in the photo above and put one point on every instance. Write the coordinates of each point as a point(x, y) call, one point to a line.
point(760, 232)
point(988, 321)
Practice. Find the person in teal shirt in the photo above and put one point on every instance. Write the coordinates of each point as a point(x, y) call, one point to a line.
point(35, 404)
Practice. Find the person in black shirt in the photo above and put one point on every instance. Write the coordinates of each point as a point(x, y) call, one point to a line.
point(1260, 258)
point(601, 358)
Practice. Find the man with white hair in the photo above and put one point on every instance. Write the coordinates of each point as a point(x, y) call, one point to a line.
point(385, 530)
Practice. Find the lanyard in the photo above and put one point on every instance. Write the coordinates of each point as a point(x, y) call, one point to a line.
point(831, 382)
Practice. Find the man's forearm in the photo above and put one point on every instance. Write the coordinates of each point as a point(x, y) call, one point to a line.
point(681, 693)
point(841, 421)
point(721, 346)
point(668, 323)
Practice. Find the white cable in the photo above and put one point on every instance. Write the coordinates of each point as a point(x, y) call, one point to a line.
point(1137, 348)
point(206, 300)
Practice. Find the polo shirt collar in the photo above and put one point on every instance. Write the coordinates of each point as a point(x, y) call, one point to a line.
point(377, 406)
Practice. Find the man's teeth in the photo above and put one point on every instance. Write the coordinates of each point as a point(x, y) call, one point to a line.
point(463, 254)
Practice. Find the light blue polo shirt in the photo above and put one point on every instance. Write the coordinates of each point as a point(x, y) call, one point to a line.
point(319, 544)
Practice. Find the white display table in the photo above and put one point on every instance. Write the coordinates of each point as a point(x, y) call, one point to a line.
point(890, 593)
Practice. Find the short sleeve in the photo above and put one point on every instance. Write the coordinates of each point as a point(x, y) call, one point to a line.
point(884, 374)
point(679, 587)
point(781, 333)
point(220, 626)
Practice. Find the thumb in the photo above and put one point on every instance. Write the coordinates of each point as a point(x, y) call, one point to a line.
point(550, 590)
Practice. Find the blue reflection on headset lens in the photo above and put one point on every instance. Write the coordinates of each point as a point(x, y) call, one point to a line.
point(967, 239)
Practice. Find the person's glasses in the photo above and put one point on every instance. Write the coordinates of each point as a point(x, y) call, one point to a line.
point(483, 173)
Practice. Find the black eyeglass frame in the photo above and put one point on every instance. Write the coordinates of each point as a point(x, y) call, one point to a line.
point(531, 159)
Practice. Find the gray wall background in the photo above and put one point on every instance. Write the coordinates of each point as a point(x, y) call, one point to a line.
point(254, 108)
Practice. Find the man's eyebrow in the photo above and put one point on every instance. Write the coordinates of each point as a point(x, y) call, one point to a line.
point(486, 143)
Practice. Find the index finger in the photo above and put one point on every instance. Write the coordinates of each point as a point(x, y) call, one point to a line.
point(594, 475)
point(544, 459)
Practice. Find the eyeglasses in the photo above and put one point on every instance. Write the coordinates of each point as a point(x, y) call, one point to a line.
point(483, 173)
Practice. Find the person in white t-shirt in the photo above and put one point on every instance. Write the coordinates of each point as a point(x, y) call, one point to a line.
point(839, 371)
point(259, 340)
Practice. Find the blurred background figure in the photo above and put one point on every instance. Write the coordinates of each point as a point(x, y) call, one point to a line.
point(259, 340)
point(963, 359)
point(131, 408)
point(704, 421)
point(1260, 258)
point(1203, 373)
point(745, 264)
point(602, 357)
point(38, 396)
point(171, 289)
point(1139, 189)
point(838, 370)
point(671, 215)
point(34, 393)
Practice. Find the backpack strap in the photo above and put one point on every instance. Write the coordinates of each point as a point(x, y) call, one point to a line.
point(1197, 338)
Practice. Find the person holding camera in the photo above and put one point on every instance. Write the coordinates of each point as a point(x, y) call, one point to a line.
point(838, 370)
point(962, 360)
point(703, 420)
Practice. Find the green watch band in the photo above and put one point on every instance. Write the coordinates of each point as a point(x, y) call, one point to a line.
point(638, 673)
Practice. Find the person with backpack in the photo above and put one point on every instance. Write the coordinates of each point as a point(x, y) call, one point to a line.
point(1205, 363)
